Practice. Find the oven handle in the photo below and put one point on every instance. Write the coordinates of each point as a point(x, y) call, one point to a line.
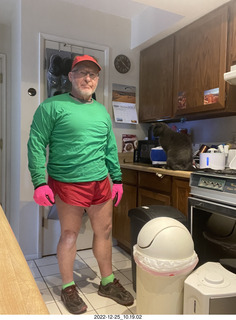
point(212, 206)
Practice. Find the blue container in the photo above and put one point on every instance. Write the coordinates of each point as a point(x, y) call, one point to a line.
point(158, 156)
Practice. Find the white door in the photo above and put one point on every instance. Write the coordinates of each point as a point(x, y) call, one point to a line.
point(2, 129)
point(51, 228)
point(51, 234)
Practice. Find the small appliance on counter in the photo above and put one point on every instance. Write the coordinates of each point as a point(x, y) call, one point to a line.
point(142, 153)
point(214, 160)
point(158, 156)
point(196, 155)
point(231, 159)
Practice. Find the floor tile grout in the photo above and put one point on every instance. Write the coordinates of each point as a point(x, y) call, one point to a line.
point(90, 274)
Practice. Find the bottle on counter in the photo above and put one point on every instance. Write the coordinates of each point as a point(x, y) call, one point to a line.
point(232, 143)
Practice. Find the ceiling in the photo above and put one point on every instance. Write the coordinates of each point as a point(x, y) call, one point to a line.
point(152, 20)
point(155, 18)
point(132, 8)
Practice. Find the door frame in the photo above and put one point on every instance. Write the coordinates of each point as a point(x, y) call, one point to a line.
point(3, 134)
point(49, 230)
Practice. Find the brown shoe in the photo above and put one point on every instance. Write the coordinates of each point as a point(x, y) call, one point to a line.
point(114, 290)
point(72, 301)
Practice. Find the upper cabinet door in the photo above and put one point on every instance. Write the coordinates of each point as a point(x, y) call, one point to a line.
point(231, 56)
point(232, 35)
point(156, 79)
point(200, 63)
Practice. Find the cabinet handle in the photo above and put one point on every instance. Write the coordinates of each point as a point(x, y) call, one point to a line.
point(160, 175)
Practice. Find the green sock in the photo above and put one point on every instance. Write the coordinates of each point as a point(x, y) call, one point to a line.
point(67, 285)
point(108, 279)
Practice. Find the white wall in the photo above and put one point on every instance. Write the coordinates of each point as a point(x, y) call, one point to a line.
point(217, 130)
point(10, 45)
point(14, 125)
point(5, 48)
point(5, 36)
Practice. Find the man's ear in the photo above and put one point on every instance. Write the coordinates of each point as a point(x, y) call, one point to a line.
point(70, 76)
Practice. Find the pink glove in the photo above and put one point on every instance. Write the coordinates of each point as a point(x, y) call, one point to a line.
point(117, 190)
point(44, 196)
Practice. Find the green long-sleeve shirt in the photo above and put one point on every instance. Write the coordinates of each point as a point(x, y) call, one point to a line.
point(82, 145)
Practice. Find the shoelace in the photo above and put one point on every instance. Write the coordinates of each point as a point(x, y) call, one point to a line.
point(72, 292)
point(117, 283)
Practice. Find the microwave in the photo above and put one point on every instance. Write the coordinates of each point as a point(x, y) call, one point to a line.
point(142, 153)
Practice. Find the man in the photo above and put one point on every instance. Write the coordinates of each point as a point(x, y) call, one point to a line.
point(82, 152)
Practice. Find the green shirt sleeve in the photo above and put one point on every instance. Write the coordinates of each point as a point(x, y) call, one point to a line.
point(112, 160)
point(40, 131)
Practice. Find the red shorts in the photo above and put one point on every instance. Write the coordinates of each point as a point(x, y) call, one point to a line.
point(82, 194)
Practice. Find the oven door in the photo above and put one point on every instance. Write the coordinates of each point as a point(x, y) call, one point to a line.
point(213, 229)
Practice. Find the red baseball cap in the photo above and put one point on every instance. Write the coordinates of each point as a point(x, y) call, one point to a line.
point(85, 57)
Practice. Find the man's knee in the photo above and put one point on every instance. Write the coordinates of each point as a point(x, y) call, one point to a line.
point(107, 230)
point(68, 238)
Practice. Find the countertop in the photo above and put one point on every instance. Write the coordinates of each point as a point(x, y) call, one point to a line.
point(19, 293)
point(158, 171)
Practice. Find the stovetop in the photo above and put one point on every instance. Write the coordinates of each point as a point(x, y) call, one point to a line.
point(226, 171)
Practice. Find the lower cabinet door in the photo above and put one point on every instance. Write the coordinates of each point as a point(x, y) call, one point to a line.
point(148, 198)
point(180, 194)
point(121, 220)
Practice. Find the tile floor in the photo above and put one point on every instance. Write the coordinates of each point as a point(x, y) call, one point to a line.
point(87, 277)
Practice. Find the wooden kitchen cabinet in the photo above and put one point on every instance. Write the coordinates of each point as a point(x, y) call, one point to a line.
point(140, 188)
point(231, 55)
point(151, 181)
point(149, 198)
point(232, 35)
point(180, 194)
point(121, 220)
point(143, 188)
point(177, 72)
point(156, 77)
point(199, 65)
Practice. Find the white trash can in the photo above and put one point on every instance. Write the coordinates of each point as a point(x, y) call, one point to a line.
point(164, 256)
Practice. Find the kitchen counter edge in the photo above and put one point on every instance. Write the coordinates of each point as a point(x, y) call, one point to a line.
point(19, 292)
point(158, 171)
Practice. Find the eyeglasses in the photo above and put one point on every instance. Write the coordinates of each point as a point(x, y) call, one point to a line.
point(83, 74)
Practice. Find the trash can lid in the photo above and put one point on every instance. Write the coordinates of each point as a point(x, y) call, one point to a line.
point(165, 238)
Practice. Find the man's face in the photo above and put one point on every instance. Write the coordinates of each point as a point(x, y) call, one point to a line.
point(84, 78)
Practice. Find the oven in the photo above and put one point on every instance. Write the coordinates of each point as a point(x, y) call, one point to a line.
point(212, 217)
